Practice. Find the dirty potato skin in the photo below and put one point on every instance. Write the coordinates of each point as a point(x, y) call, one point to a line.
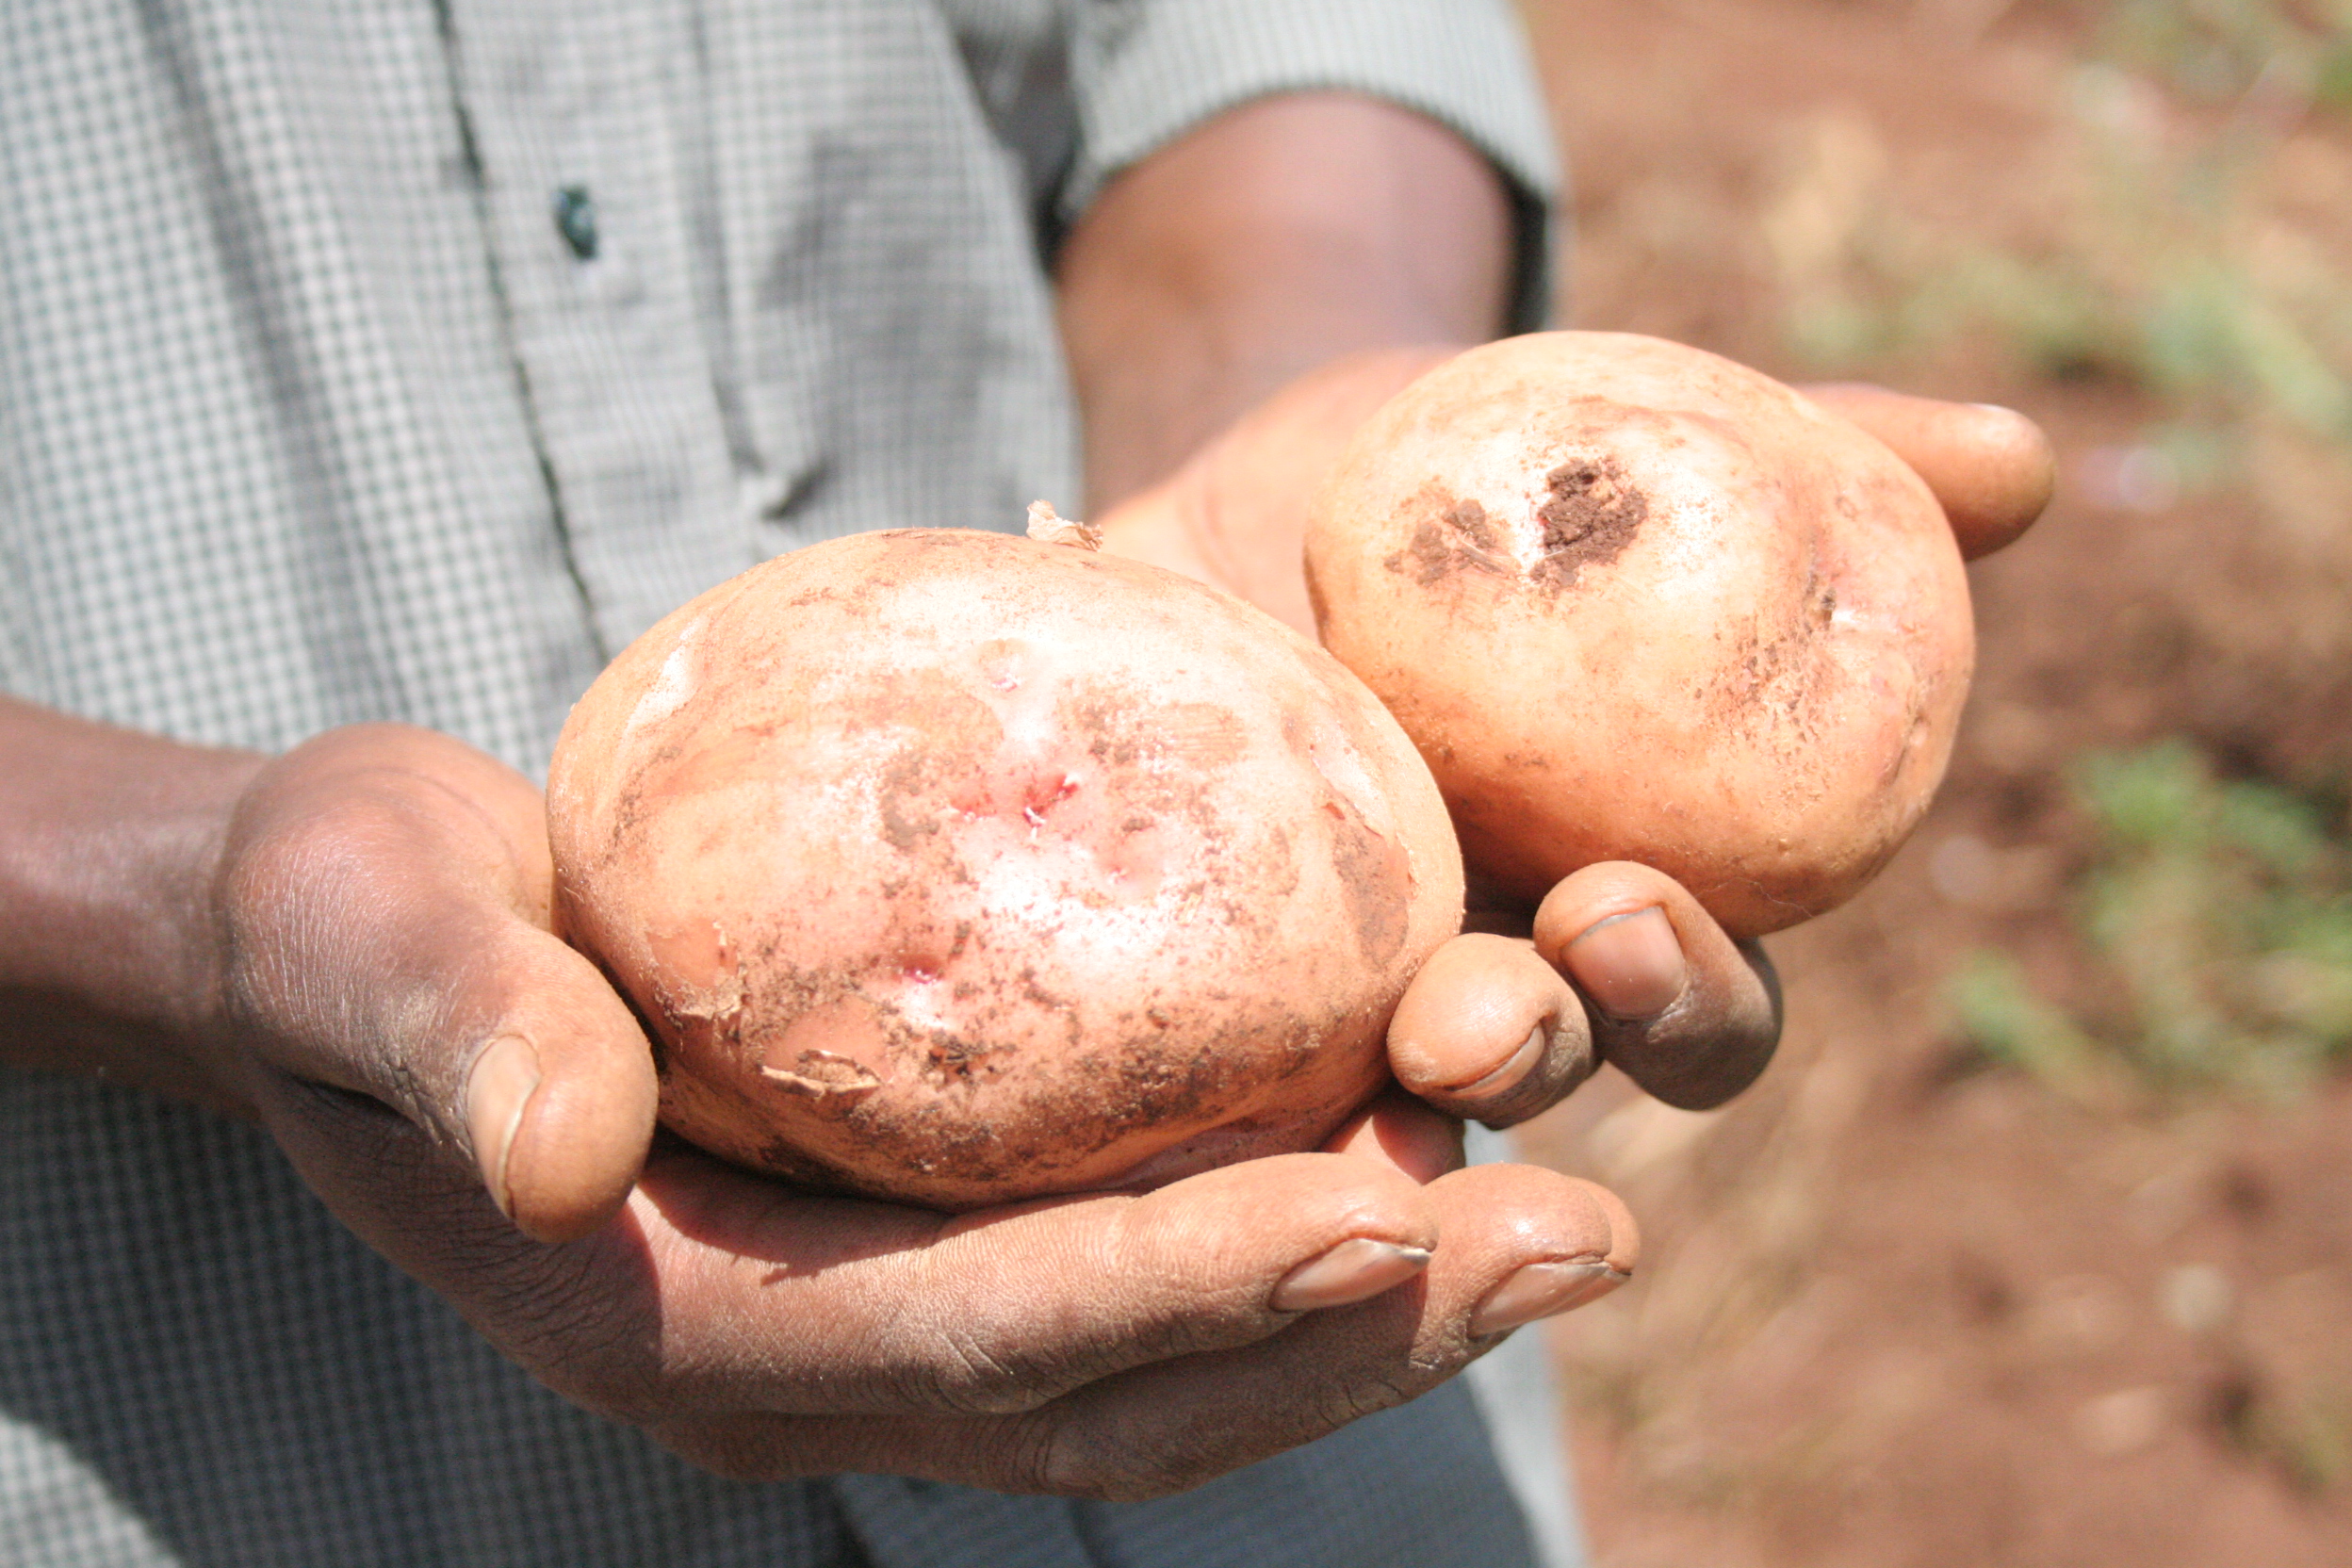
point(956, 869)
point(1636, 603)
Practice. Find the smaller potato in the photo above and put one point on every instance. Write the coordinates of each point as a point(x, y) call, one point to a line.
point(956, 869)
point(1636, 603)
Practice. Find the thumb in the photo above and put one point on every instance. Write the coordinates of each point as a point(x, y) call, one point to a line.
point(380, 913)
point(560, 1098)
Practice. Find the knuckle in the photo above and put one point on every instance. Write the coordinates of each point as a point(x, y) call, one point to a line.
point(1052, 1458)
point(1143, 1474)
point(290, 898)
point(968, 1354)
point(737, 1451)
point(332, 840)
point(555, 1311)
point(968, 1378)
point(1067, 1463)
point(1087, 1458)
point(1355, 1400)
point(1343, 1401)
point(1206, 1326)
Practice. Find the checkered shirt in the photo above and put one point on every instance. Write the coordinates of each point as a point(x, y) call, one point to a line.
point(404, 359)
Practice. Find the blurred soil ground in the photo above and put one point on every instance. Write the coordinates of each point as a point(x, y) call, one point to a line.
point(1906, 1304)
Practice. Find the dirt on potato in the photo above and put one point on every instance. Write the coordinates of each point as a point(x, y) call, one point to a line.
point(1637, 602)
point(961, 869)
point(1594, 513)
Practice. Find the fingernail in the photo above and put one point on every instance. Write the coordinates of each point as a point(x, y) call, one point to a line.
point(1631, 965)
point(1514, 1066)
point(1355, 1270)
point(1541, 1290)
point(497, 1092)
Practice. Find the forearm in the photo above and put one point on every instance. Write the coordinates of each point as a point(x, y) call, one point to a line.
point(108, 841)
point(1274, 238)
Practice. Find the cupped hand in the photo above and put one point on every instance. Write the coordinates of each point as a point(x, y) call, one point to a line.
point(1619, 962)
point(398, 1014)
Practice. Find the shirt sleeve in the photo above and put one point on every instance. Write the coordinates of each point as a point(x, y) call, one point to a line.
point(1142, 71)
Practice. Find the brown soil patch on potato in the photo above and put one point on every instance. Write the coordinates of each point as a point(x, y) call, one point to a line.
point(1594, 513)
point(1453, 536)
point(1590, 514)
point(1159, 1068)
point(1376, 874)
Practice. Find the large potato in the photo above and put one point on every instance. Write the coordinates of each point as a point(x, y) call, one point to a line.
point(955, 868)
point(1637, 602)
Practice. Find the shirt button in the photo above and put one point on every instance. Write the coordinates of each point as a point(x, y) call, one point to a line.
point(576, 220)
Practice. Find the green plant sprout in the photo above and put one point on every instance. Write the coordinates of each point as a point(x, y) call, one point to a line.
point(2163, 260)
point(2218, 914)
point(2220, 50)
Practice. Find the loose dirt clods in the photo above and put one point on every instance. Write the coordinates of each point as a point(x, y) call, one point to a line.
point(1459, 538)
point(822, 1072)
point(1593, 514)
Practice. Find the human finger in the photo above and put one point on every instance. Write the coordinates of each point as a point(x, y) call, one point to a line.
point(1521, 1243)
point(385, 891)
point(1490, 1030)
point(781, 1301)
point(1401, 1134)
point(1991, 469)
point(1687, 1013)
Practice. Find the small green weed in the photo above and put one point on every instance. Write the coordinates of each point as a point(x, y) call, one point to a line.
point(2305, 1431)
point(2007, 1021)
point(2219, 916)
point(2220, 50)
point(2165, 260)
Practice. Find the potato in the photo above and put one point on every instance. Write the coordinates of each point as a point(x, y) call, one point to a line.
point(1636, 603)
point(955, 869)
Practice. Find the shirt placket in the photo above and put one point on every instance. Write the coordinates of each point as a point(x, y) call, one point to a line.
point(574, 113)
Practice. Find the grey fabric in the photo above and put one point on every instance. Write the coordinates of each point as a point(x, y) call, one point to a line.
point(299, 371)
point(1410, 1486)
point(395, 359)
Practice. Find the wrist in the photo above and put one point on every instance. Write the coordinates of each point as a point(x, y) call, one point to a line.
point(1272, 239)
point(1234, 515)
point(110, 842)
